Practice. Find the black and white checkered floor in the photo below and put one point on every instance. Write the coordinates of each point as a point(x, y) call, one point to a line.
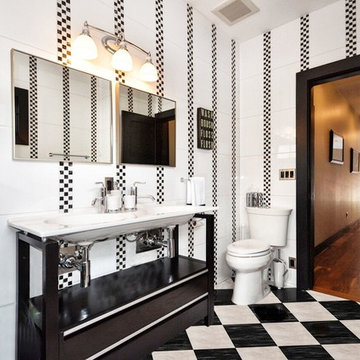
point(287, 324)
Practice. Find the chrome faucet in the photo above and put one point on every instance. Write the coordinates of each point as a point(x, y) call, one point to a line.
point(134, 191)
point(100, 200)
point(84, 265)
point(79, 260)
point(169, 244)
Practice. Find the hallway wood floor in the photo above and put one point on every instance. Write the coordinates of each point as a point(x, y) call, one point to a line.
point(337, 268)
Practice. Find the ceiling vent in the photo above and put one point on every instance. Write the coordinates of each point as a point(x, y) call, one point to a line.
point(232, 11)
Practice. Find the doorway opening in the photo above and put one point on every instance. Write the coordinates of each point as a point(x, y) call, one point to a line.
point(336, 115)
point(320, 161)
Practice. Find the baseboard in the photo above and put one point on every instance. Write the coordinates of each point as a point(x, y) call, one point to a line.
point(326, 243)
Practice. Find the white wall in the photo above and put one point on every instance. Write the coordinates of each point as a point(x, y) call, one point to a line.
point(327, 44)
point(29, 187)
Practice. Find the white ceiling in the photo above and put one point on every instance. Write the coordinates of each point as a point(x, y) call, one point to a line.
point(272, 14)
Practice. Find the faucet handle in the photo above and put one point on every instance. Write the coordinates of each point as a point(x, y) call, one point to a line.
point(139, 182)
point(103, 188)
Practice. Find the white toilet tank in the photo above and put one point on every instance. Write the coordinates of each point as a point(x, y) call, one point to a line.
point(269, 224)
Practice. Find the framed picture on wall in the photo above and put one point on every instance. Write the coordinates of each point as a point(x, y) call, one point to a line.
point(336, 148)
point(354, 161)
point(205, 129)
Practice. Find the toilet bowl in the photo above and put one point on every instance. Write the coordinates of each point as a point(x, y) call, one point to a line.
point(249, 258)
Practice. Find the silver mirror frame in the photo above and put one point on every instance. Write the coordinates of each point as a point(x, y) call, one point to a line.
point(52, 158)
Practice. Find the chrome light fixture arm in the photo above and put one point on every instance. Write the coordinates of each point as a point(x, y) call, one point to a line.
point(121, 60)
point(113, 37)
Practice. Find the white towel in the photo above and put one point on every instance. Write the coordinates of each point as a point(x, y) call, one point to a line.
point(189, 194)
point(196, 191)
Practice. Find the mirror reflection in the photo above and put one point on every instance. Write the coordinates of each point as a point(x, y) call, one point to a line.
point(146, 130)
point(59, 113)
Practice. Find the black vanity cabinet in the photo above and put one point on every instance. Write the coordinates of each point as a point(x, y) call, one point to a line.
point(123, 315)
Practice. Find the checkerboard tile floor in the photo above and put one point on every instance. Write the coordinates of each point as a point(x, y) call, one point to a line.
point(287, 324)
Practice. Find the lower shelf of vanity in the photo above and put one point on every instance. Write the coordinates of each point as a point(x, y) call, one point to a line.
point(117, 309)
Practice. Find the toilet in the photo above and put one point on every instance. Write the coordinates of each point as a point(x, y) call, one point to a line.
point(249, 258)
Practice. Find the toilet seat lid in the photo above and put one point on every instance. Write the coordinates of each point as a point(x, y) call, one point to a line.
point(248, 247)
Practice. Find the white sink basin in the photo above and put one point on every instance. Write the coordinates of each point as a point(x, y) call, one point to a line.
point(160, 210)
point(89, 226)
point(87, 219)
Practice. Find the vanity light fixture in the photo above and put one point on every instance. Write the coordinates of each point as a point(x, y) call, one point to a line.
point(122, 59)
point(84, 46)
point(148, 70)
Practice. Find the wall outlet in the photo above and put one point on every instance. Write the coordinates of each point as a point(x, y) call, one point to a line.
point(292, 262)
point(287, 174)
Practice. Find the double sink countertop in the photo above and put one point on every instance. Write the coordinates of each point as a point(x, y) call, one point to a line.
point(74, 226)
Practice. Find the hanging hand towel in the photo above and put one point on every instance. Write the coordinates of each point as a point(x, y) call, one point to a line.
point(196, 191)
point(189, 194)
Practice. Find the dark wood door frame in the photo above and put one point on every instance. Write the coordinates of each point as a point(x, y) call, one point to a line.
point(305, 80)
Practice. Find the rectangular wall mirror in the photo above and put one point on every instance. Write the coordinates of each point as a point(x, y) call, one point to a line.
point(146, 128)
point(59, 113)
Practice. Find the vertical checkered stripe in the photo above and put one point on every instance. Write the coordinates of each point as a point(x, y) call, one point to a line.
point(233, 143)
point(159, 184)
point(350, 27)
point(64, 31)
point(65, 280)
point(190, 102)
point(159, 37)
point(33, 108)
point(93, 119)
point(130, 100)
point(304, 43)
point(121, 177)
point(119, 76)
point(214, 152)
point(190, 88)
point(120, 253)
point(267, 119)
point(66, 113)
point(121, 241)
point(64, 55)
point(119, 30)
point(160, 253)
point(191, 243)
point(160, 199)
point(150, 105)
point(119, 24)
point(66, 186)
point(159, 33)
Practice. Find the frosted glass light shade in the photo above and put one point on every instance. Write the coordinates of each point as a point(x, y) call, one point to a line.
point(84, 46)
point(122, 60)
point(148, 71)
